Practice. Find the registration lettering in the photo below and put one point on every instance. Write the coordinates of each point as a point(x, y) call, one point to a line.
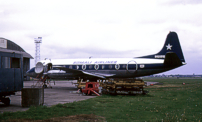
point(159, 56)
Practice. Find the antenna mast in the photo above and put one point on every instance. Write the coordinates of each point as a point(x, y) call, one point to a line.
point(37, 48)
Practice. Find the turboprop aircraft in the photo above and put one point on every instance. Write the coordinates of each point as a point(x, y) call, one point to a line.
point(170, 57)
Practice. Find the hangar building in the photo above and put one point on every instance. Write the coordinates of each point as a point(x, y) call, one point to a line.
point(14, 62)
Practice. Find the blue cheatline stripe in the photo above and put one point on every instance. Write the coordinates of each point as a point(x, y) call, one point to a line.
point(112, 66)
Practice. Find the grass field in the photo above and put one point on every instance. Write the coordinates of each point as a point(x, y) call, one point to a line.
point(171, 101)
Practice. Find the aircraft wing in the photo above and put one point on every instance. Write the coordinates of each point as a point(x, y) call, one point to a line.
point(100, 75)
point(84, 73)
point(67, 69)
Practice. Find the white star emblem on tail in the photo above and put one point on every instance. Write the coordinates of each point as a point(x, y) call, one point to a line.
point(169, 47)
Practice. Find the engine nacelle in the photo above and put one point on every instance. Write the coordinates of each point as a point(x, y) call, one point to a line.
point(39, 68)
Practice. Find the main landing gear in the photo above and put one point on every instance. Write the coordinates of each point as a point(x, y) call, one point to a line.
point(5, 100)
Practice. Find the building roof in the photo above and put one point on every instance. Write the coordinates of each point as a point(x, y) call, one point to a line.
point(10, 47)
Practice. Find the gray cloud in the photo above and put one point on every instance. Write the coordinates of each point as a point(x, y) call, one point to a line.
point(87, 52)
point(180, 2)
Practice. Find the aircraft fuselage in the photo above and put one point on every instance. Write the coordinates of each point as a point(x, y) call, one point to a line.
point(169, 57)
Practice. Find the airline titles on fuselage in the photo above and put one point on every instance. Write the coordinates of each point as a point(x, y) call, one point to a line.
point(96, 62)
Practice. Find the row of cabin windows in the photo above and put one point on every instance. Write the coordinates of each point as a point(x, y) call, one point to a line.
point(9, 62)
point(97, 66)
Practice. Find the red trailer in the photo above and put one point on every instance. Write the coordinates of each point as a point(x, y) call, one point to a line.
point(91, 87)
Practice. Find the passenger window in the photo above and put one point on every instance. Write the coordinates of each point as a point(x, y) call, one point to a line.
point(70, 67)
point(77, 67)
point(90, 66)
point(117, 66)
point(124, 66)
point(110, 66)
point(103, 66)
point(96, 66)
point(84, 67)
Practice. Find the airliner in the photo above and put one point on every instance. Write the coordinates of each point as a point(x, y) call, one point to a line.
point(169, 57)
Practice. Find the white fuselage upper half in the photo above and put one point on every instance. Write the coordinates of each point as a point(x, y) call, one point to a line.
point(94, 61)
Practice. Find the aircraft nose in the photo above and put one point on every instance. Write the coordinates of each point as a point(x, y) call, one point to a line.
point(27, 74)
point(30, 72)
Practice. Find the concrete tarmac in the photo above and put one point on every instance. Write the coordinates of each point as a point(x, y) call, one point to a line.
point(149, 83)
point(62, 92)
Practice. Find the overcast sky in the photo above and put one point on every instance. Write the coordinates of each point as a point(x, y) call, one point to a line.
point(105, 28)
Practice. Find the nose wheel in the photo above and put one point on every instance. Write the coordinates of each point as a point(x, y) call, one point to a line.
point(44, 86)
point(43, 82)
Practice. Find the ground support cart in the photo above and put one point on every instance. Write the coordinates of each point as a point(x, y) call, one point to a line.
point(91, 87)
point(124, 86)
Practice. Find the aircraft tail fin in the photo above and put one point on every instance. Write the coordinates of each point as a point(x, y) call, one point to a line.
point(171, 48)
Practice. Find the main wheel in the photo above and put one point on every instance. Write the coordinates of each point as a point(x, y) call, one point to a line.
point(6, 101)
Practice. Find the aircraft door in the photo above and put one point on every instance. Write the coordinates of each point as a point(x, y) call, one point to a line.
point(132, 66)
point(48, 67)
